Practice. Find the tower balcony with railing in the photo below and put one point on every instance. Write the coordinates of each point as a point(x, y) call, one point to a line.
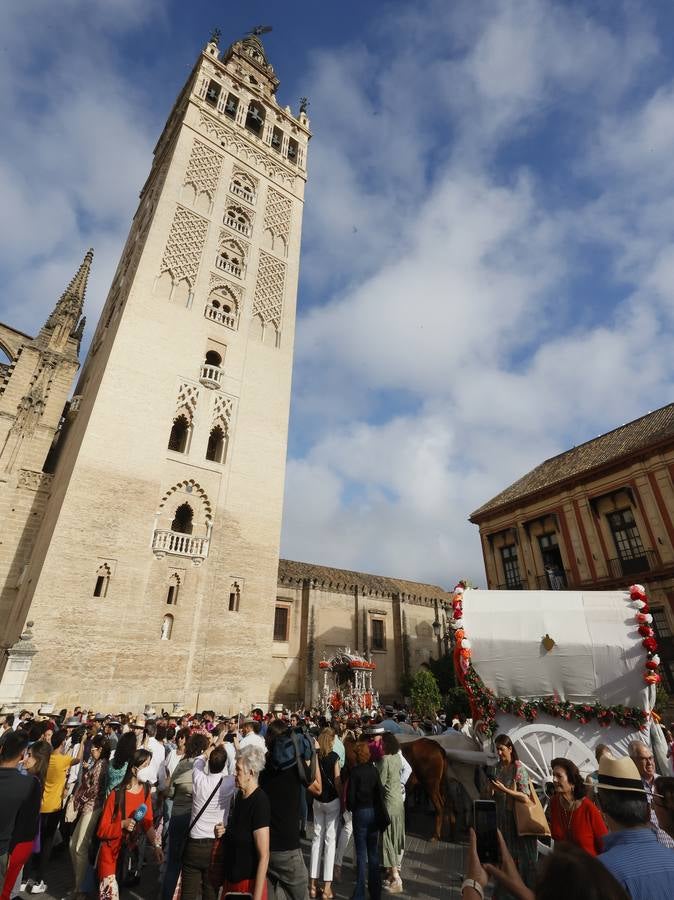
point(178, 544)
point(211, 376)
point(241, 191)
point(230, 319)
point(238, 223)
point(227, 265)
point(211, 370)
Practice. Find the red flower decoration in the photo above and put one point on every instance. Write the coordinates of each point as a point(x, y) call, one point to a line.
point(646, 631)
point(650, 644)
point(651, 665)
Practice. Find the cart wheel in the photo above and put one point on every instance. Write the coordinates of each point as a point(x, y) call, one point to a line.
point(538, 744)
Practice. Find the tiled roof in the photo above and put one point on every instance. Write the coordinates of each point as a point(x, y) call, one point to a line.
point(291, 571)
point(641, 434)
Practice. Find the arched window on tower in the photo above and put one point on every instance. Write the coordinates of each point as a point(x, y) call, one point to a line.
point(179, 437)
point(231, 258)
point(239, 219)
point(102, 581)
point(234, 596)
point(255, 117)
point(183, 521)
point(173, 590)
point(243, 186)
point(167, 627)
point(217, 445)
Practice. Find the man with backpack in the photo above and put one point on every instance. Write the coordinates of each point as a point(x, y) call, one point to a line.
point(290, 770)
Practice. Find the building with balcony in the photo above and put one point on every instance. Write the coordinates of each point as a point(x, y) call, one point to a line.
point(599, 516)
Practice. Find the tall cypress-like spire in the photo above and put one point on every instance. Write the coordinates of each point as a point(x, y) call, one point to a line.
point(71, 302)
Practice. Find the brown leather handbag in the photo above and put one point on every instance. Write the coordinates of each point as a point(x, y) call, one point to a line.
point(530, 817)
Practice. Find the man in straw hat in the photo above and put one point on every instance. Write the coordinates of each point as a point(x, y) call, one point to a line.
point(631, 851)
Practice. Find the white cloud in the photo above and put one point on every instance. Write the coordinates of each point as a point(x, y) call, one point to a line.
point(464, 304)
point(77, 144)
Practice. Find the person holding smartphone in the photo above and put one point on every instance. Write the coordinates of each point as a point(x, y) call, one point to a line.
point(246, 843)
point(510, 785)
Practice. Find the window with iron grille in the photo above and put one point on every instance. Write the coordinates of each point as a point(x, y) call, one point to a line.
point(281, 623)
point(626, 534)
point(511, 567)
point(378, 634)
point(661, 623)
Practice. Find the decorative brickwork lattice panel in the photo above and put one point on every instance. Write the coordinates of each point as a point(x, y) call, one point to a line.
point(268, 299)
point(188, 395)
point(222, 412)
point(184, 246)
point(245, 150)
point(277, 214)
point(203, 169)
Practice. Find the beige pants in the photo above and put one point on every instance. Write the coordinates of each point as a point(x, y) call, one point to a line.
point(79, 844)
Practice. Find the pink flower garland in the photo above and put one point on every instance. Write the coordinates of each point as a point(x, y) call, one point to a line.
point(644, 620)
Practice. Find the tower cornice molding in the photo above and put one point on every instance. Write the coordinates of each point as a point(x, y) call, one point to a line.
point(226, 135)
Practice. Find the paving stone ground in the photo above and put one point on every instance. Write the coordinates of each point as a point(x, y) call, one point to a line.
point(431, 870)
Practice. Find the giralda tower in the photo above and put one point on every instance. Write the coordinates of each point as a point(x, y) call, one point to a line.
point(153, 575)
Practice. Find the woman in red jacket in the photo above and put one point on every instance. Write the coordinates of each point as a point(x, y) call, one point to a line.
point(573, 816)
point(121, 815)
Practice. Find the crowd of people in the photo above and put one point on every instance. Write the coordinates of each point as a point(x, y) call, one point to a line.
point(221, 805)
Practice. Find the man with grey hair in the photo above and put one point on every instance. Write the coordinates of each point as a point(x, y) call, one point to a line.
point(631, 850)
point(642, 756)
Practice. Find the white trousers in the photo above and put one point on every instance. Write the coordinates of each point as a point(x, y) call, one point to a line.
point(345, 833)
point(326, 816)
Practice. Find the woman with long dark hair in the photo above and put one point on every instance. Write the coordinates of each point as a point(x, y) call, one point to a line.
point(510, 786)
point(25, 836)
point(89, 798)
point(573, 816)
point(127, 808)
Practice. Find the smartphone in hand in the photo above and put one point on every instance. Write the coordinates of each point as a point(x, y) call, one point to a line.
point(484, 822)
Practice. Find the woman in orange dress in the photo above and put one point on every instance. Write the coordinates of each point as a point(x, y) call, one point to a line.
point(123, 815)
point(573, 816)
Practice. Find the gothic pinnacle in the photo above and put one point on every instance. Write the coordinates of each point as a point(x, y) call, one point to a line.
point(71, 301)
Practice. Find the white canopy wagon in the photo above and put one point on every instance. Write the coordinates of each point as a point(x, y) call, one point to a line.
point(558, 671)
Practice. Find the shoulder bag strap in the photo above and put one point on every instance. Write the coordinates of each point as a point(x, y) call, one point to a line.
point(203, 808)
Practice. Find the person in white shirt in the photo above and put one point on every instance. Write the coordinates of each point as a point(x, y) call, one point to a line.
point(154, 773)
point(251, 735)
point(212, 794)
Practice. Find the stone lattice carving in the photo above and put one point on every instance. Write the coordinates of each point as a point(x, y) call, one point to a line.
point(277, 214)
point(203, 169)
point(268, 299)
point(184, 246)
point(186, 404)
point(222, 411)
point(238, 143)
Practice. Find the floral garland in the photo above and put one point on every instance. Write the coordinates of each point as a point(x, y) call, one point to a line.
point(485, 704)
point(644, 620)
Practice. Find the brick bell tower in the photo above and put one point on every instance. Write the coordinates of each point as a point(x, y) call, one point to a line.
point(154, 573)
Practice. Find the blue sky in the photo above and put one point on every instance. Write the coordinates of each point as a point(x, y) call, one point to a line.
point(488, 262)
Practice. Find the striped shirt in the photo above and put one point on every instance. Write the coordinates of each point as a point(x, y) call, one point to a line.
point(662, 836)
point(643, 866)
